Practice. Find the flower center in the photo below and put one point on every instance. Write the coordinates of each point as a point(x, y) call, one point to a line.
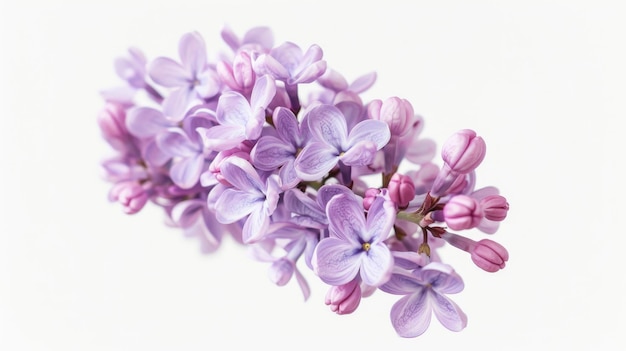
point(366, 246)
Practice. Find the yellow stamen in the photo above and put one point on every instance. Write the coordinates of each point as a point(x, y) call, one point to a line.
point(366, 246)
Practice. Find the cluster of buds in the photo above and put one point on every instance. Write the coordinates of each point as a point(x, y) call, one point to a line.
point(234, 148)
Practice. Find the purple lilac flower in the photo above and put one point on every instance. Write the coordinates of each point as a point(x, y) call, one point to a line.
point(250, 198)
point(191, 79)
point(279, 152)
point(425, 291)
point(356, 245)
point(289, 64)
point(239, 119)
point(331, 143)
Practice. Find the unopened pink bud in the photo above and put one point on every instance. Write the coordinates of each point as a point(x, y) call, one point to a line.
point(397, 113)
point(489, 255)
point(495, 207)
point(240, 76)
point(464, 151)
point(462, 212)
point(370, 196)
point(131, 195)
point(401, 189)
point(344, 299)
point(112, 122)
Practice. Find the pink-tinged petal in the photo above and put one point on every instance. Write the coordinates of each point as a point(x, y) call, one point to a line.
point(281, 271)
point(176, 103)
point(230, 38)
point(233, 109)
point(145, 122)
point(175, 142)
point(186, 213)
point(234, 205)
point(411, 315)
point(192, 51)
point(327, 123)
point(262, 93)
point(269, 153)
point(380, 219)
point(221, 137)
point(256, 225)
point(371, 130)
point(346, 218)
point(241, 174)
point(266, 64)
point(421, 152)
point(376, 265)
point(488, 226)
point(334, 261)
point(361, 154)
point(186, 172)
point(169, 73)
point(363, 83)
point(315, 161)
point(447, 312)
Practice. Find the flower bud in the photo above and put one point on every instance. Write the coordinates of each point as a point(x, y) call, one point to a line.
point(463, 151)
point(462, 212)
point(495, 207)
point(344, 299)
point(112, 122)
point(401, 189)
point(131, 195)
point(370, 196)
point(397, 113)
point(281, 271)
point(489, 255)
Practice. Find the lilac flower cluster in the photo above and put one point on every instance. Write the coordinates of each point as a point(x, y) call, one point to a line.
point(233, 147)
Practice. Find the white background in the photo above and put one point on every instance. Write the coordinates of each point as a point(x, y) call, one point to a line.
point(542, 82)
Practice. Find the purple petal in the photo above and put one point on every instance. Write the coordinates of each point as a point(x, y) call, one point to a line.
point(299, 203)
point(154, 156)
point(380, 219)
point(447, 312)
point(286, 124)
point(233, 109)
point(360, 154)
point(442, 277)
point(488, 226)
point(175, 104)
point(256, 225)
point(309, 74)
point(304, 286)
point(402, 283)
point(186, 172)
point(335, 261)
point(261, 35)
point(266, 64)
point(410, 316)
point(315, 160)
point(221, 137)
point(327, 192)
point(269, 153)
point(421, 151)
point(174, 142)
point(192, 51)
point(145, 122)
point(168, 73)
point(371, 130)
point(328, 124)
point(346, 218)
point(288, 175)
point(363, 83)
point(242, 175)
point(234, 205)
point(186, 213)
point(376, 265)
point(262, 93)
point(209, 85)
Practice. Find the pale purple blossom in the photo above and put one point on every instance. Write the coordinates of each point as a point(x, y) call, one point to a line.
point(191, 79)
point(239, 119)
point(333, 143)
point(289, 64)
point(425, 291)
point(355, 246)
point(250, 198)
